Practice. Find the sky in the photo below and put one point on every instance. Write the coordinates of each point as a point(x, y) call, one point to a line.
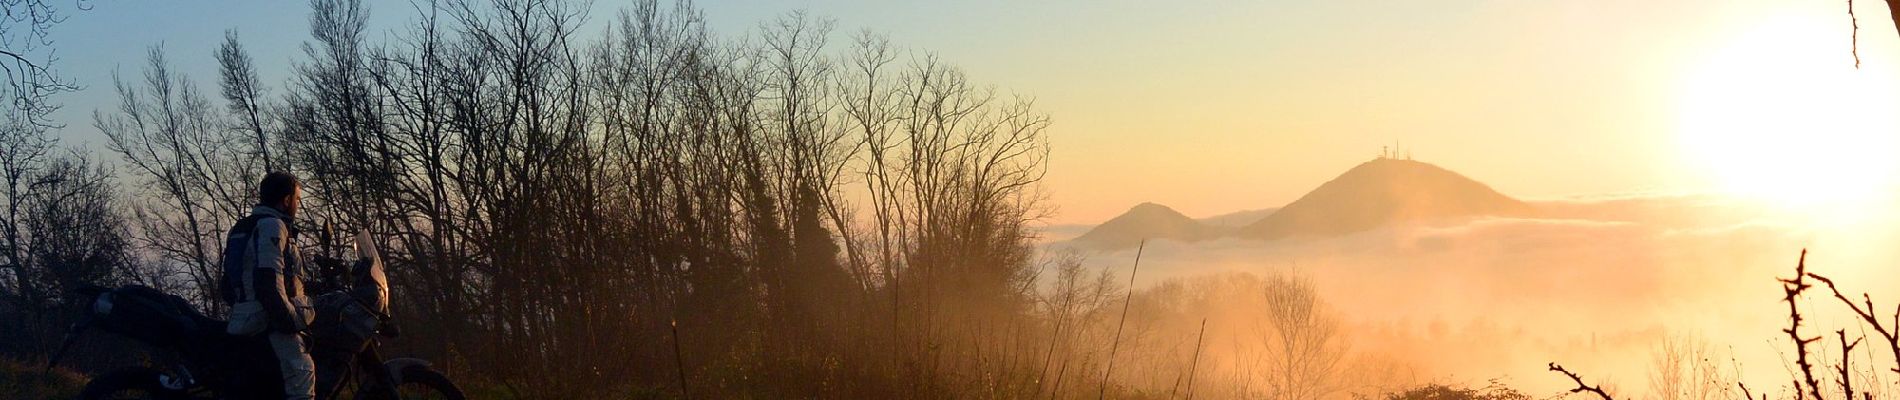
point(1215, 106)
point(1218, 106)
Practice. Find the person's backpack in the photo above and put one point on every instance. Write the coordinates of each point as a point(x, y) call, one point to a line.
point(248, 316)
point(237, 258)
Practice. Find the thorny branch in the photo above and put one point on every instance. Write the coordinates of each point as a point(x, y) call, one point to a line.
point(1793, 287)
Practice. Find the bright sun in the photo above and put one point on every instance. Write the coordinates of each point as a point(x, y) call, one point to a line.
point(1780, 114)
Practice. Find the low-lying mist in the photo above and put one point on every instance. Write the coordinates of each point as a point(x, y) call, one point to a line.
point(1621, 289)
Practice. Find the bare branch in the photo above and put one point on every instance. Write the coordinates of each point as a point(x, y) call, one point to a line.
point(1854, 37)
point(1792, 288)
point(1847, 352)
point(1886, 331)
point(1581, 387)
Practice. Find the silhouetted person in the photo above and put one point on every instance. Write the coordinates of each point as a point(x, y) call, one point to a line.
point(273, 289)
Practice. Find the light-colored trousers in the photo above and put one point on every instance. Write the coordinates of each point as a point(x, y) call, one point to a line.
point(293, 359)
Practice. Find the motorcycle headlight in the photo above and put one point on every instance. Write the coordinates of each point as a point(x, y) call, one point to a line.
point(103, 304)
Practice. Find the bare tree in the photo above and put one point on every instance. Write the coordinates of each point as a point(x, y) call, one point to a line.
point(73, 234)
point(166, 131)
point(559, 207)
point(23, 153)
point(1303, 340)
point(26, 58)
point(1684, 368)
point(1076, 306)
point(244, 95)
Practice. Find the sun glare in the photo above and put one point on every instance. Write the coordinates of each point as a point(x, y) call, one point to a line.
point(1781, 115)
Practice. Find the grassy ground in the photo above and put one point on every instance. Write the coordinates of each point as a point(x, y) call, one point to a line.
point(23, 380)
point(30, 380)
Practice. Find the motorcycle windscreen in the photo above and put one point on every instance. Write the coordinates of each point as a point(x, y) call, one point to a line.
point(372, 284)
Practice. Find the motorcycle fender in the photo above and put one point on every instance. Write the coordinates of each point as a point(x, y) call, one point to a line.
point(395, 366)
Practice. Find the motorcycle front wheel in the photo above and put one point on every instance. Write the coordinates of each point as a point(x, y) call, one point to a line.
point(420, 383)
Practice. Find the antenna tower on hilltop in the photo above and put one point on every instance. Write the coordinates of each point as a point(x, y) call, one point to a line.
point(1396, 151)
point(1400, 152)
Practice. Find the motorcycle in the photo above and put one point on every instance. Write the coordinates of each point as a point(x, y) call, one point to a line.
point(211, 364)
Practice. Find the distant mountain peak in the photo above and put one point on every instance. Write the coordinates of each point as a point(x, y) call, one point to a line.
point(1381, 192)
point(1385, 191)
point(1143, 221)
point(1152, 209)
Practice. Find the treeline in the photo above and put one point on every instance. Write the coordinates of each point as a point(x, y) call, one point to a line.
point(565, 209)
point(647, 209)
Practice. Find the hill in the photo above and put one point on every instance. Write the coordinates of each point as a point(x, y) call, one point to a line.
point(1382, 192)
point(1144, 221)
